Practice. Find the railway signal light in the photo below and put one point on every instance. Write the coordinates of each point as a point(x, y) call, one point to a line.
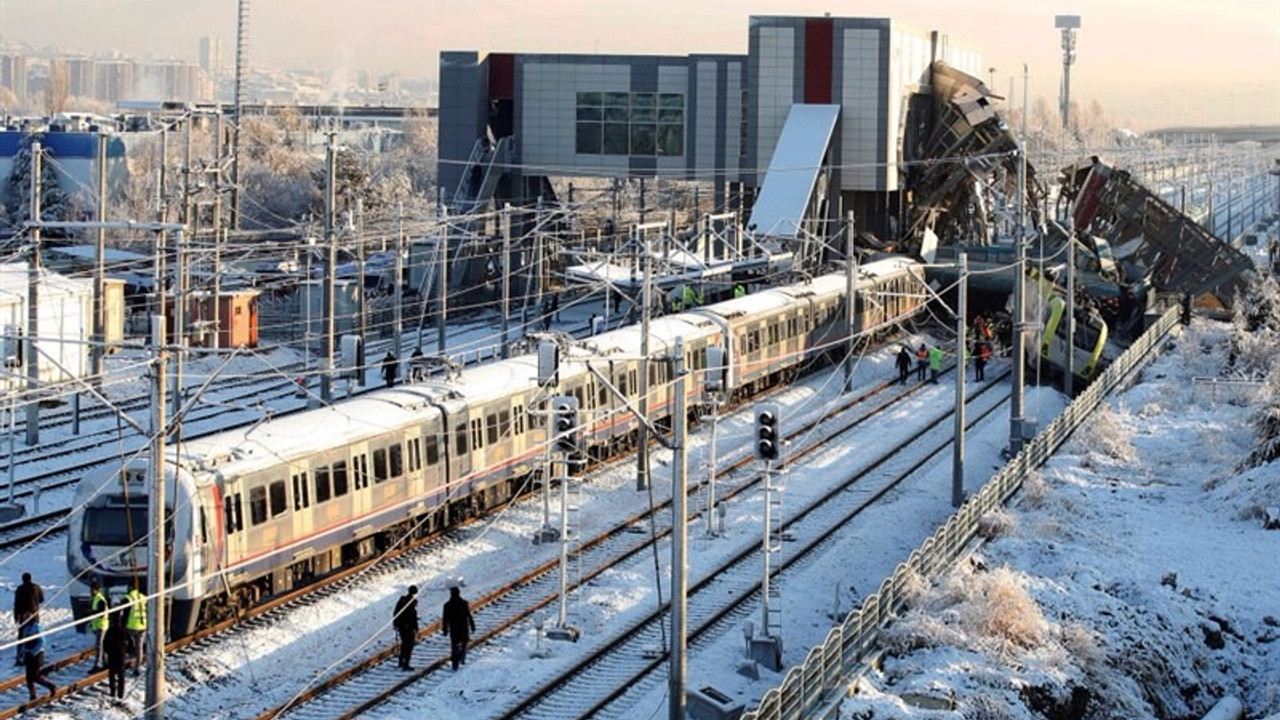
point(768, 441)
point(564, 423)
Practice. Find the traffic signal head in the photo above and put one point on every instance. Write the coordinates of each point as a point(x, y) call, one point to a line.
point(564, 423)
point(768, 441)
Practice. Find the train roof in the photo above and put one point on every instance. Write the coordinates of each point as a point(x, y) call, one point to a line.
point(663, 331)
point(296, 434)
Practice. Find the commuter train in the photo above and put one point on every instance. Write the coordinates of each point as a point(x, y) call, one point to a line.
point(258, 510)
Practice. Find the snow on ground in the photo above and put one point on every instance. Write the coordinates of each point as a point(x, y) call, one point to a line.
point(1077, 594)
point(1132, 579)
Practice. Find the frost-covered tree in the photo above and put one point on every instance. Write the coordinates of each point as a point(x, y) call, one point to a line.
point(55, 203)
point(1255, 343)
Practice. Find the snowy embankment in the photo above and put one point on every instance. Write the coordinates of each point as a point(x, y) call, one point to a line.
point(1133, 578)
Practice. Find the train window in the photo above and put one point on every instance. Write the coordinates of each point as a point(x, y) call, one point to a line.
point(380, 465)
point(504, 423)
point(491, 424)
point(258, 505)
point(204, 527)
point(602, 400)
point(340, 481)
point(360, 468)
point(433, 450)
point(414, 447)
point(577, 394)
point(231, 515)
point(301, 494)
point(460, 440)
point(517, 420)
point(324, 490)
point(396, 459)
point(477, 434)
point(622, 384)
point(279, 502)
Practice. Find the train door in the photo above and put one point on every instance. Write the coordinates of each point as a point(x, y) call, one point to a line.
point(361, 490)
point(300, 495)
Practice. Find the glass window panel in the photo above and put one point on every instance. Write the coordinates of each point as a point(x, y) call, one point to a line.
point(279, 502)
point(671, 116)
point(340, 478)
point(396, 460)
point(644, 100)
point(433, 450)
point(616, 139)
point(617, 114)
point(617, 99)
point(589, 98)
point(589, 138)
point(671, 140)
point(648, 114)
point(257, 505)
point(671, 100)
point(590, 113)
point(380, 465)
point(643, 139)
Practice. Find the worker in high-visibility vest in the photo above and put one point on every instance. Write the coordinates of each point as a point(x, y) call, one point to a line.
point(136, 623)
point(98, 623)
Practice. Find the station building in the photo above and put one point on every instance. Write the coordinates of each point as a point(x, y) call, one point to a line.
point(835, 105)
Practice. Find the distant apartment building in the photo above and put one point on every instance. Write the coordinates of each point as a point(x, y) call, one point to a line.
point(13, 75)
point(81, 80)
point(210, 57)
point(114, 80)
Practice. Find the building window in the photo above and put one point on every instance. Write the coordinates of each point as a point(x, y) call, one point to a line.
point(618, 123)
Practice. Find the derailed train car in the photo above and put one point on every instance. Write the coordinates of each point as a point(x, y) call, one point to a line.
point(259, 510)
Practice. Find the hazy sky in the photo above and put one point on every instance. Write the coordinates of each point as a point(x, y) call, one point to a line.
point(1150, 63)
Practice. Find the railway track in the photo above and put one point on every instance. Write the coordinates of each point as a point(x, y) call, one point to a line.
point(49, 525)
point(362, 684)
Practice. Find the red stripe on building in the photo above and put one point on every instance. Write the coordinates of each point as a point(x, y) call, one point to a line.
point(817, 60)
point(502, 75)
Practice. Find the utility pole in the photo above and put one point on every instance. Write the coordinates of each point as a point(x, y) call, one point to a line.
point(850, 271)
point(242, 59)
point(679, 539)
point(33, 305)
point(155, 517)
point(98, 351)
point(399, 297)
point(642, 452)
point(962, 367)
point(505, 220)
point(442, 313)
point(331, 242)
point(1069, 380)
point(217, 233)
point(1019, 296)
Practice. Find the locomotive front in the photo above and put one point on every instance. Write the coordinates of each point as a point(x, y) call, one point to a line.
point(109, 536)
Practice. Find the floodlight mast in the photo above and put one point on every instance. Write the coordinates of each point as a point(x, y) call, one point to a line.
point(1068, 24)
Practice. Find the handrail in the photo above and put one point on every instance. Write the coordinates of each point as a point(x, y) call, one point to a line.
point(813, 689)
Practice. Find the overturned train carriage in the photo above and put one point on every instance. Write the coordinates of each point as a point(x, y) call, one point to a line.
point(259, 510)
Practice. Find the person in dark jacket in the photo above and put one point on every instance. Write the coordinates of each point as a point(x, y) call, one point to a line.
point(405, 620)
point(922, 362)
point(904, 365)
point(116, 647)
point(33, 656)
point(457, 626)
point(26, 607)
point(390, 369)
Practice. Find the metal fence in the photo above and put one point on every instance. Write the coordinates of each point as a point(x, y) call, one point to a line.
point(815, 688)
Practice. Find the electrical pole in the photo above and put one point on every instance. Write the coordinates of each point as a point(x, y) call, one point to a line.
point(642, 452)
point(1069, 380)
point(155, 516)
point(217, 233)
point(399, 297)
point(1019, 295)
point(33, 305)
point(331, 242)
point(962, 367)
point(242, 59)
point(442, 313)
point(99, 351)
point(505, 220)
point(679, 539)
point(850, 270)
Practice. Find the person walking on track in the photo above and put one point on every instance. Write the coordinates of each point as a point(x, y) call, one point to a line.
point(405, 620)
point(457, 626)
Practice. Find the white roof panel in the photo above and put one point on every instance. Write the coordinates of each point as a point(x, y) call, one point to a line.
point(793, 170)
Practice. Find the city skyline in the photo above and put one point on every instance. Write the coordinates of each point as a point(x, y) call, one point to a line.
point(1148, 64)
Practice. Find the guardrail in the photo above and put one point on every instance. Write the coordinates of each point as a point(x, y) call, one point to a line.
point(814, 689)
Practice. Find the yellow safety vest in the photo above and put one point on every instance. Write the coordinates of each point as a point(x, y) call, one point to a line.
point(97, 604)
point(137, 619)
